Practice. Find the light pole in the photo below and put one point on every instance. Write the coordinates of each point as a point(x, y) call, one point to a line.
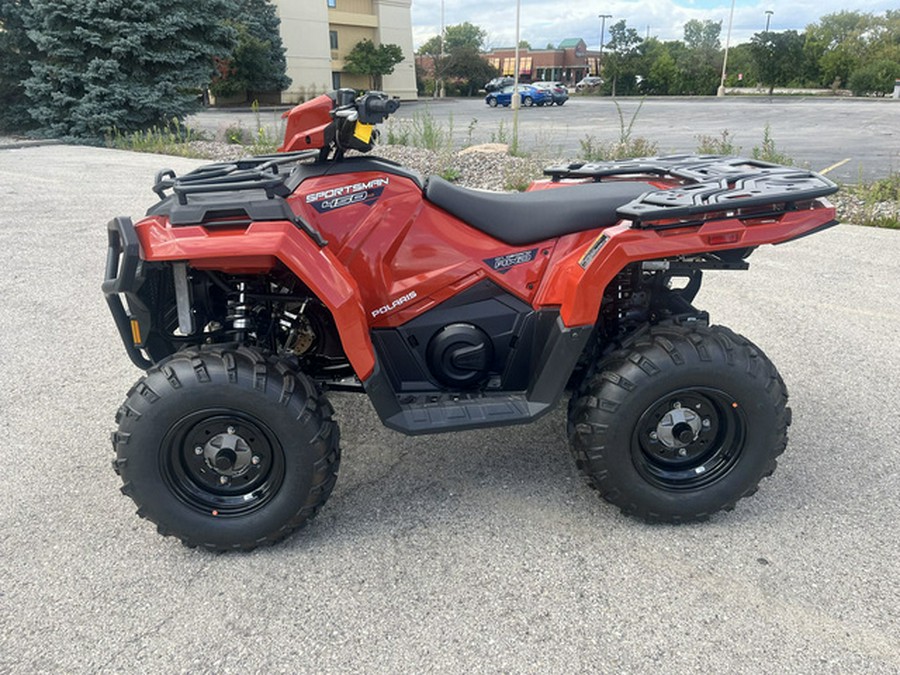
point(603, 18)
point(769, 14)
point(515, 95)
point(721, 91)
point(440, 92)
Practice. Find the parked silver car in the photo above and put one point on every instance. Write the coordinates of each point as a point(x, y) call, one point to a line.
point(557, 91)
point(589, 82)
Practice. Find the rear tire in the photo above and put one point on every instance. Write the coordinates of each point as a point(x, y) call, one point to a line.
point(527, 101)
point(225, 449)
point(492, 102)
point(682, 423)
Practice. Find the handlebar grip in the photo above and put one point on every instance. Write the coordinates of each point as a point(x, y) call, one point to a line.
point(385, 106)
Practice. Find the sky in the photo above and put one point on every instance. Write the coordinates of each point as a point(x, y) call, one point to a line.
point(551, 21)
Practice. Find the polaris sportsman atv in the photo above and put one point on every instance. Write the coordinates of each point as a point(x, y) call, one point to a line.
point(251, 289)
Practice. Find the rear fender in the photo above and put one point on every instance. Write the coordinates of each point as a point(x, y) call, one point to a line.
point(584, 264)
point(255, 249)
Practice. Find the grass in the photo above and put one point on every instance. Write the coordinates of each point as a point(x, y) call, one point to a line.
point(173, 138)
point(873, 195)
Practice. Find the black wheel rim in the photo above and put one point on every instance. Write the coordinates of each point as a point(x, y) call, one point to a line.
point(222, 463)
point(689, 439)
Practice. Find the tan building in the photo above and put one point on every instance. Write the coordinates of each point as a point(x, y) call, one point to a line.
point(318, 34)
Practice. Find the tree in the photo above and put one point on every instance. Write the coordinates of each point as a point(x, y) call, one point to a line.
point(703, 35)
point(16, 54)
point(117, 64)
point(701, 66)
point(776, 56)
point(257, 63)
point(461, 45)
point(469, 70)
point(367, 59)
point(838, 44)
point(873, 78)
point(464, 35)
point(621, 63)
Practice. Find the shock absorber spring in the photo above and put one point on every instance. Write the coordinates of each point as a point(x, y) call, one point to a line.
point(238, 317)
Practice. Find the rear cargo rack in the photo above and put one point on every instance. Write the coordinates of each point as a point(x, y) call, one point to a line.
point(713, 184)
point(225, 193)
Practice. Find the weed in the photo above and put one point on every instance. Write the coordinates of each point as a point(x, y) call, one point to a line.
point(501, 135)
point(884, 189)
point(263, 141)
point(712, 145)
point(518, 176)
point(429, 134)
point(593, 150)
point(880, 202)
point(235, 135)
point(397, 133)
point(173, 138)
point(451, 173)
point(768, 152)
point(470, 131)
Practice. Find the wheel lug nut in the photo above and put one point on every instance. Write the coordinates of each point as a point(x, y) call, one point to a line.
point(198, 450)
point(256, 459)
point(223, 480)
point(231, 430)
point(706, 423)
point(682, 452)
point(676, 405)
point(653, 435)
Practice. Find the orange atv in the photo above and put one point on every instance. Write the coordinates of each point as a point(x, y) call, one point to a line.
point(253, 288)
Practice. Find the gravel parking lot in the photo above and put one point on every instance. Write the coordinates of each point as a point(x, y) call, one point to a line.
point(472, 552)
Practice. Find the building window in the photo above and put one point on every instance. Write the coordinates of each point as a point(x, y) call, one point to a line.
point(332, 3)
point(332, 35)
point(336, 80)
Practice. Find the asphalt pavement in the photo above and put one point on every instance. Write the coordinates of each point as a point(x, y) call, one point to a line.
point(472, 552)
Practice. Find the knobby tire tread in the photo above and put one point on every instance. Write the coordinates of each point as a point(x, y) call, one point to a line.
point(604, 389)
point(229, 361)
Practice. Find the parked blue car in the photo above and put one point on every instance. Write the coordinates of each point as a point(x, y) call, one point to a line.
point(529, 96)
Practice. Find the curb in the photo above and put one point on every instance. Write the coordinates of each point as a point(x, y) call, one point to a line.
point(13, 144)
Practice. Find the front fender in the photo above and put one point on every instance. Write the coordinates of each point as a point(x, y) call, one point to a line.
point(255, 249)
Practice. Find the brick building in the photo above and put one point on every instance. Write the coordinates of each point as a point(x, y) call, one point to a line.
point(568, 63)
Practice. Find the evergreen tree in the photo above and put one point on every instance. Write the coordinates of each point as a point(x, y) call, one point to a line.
point(106, 64)
point(258, 63)
point(16, 54)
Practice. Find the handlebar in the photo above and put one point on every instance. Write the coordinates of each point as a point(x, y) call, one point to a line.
point(375, 106)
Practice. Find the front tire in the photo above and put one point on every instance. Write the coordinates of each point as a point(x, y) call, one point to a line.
point(492, 102)
point(226, 449)
point(681, 424)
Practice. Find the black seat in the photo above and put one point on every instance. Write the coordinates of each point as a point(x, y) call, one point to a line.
point(527, 217)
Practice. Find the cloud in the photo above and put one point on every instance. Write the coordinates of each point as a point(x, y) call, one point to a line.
point(551, 21)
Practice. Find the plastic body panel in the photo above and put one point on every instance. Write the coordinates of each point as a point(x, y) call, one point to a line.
point(393, 256)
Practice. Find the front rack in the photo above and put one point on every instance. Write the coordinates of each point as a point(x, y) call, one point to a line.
point(245, 190)
point(711, 184)
point(263, 172)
